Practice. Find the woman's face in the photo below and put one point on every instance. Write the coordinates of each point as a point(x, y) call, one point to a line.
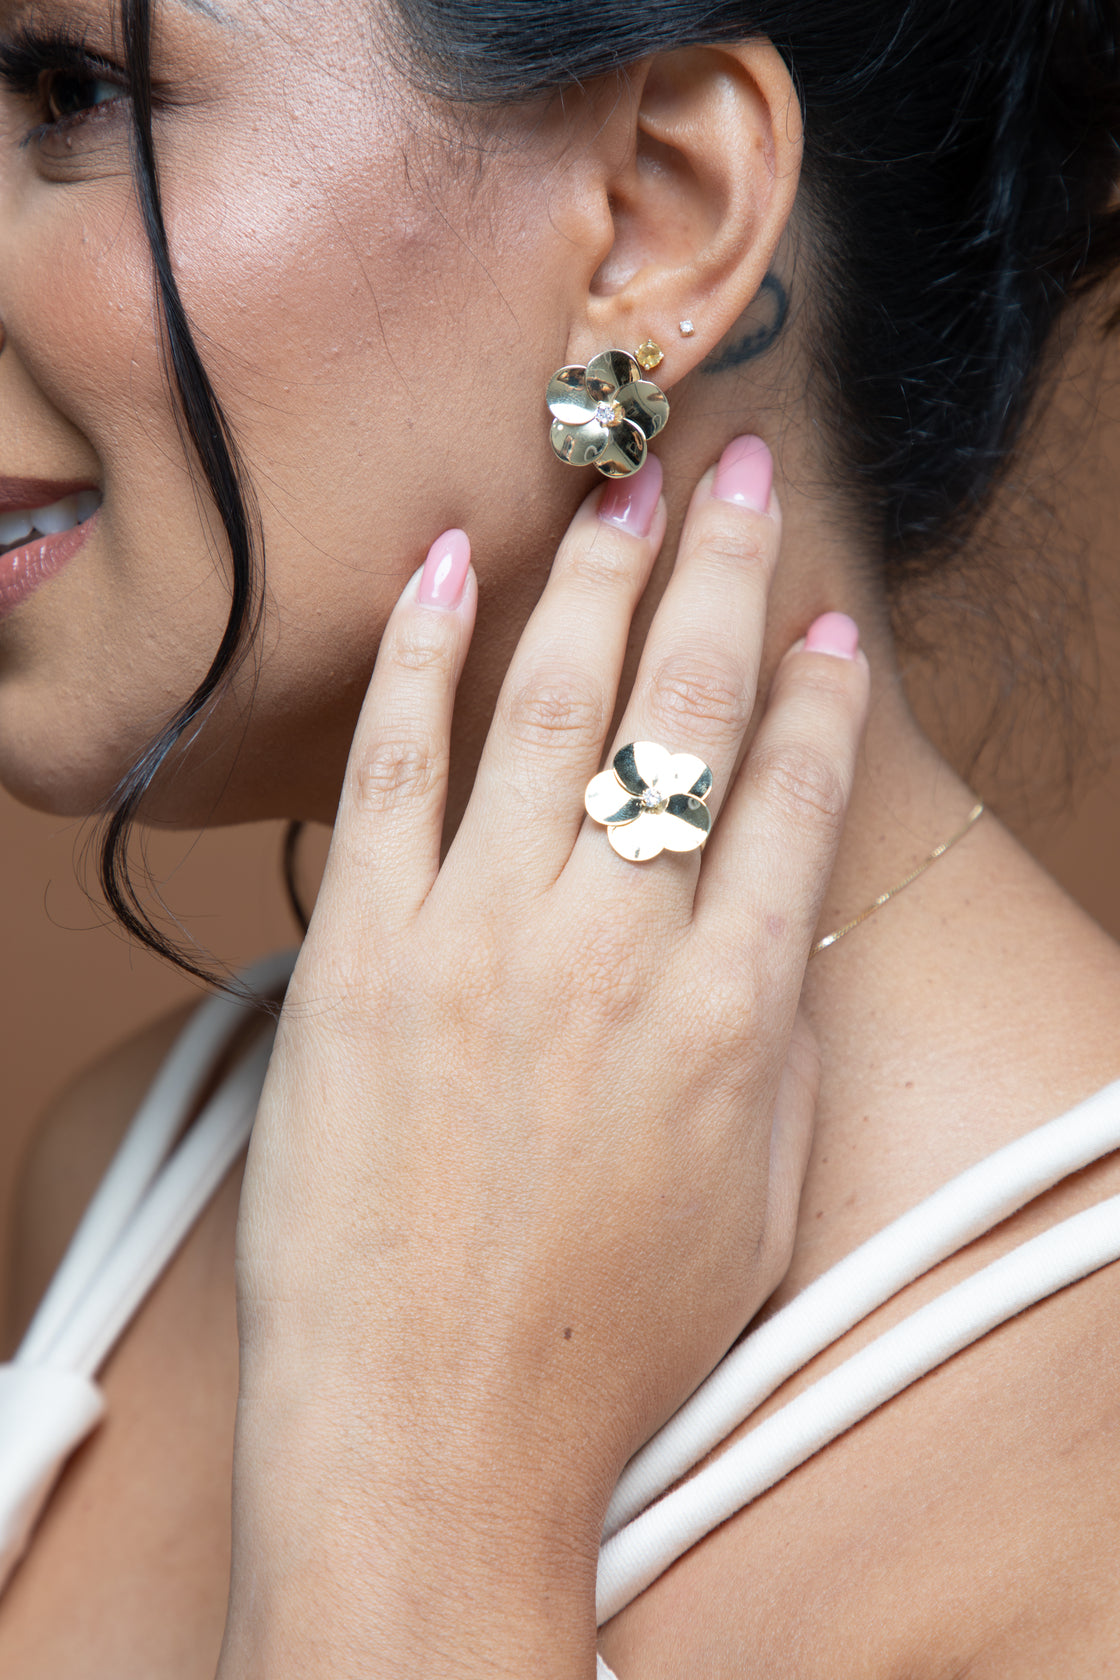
point(375, 310)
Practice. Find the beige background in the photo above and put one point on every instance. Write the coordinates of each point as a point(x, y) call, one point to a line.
point(72, 985)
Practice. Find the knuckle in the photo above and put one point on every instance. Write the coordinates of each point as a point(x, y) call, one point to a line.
point(467, 993)
point(828, 683)
point(729, 1016)
point(732, 542)
point(724, 1025)
point(690, 690)
point(419, 644)
point(389, 771)
point(711, 1031)
point(608, 562)
point(806, 785)
point(551, 708)
point(611, 978)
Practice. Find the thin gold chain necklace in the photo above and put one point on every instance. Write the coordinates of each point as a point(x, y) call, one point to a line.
point(884, 898)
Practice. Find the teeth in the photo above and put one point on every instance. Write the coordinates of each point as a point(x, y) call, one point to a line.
point(59, 516)
point(13, 526)
point(48, 521)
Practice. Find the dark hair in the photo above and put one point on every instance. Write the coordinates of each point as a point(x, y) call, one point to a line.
point(960, 168)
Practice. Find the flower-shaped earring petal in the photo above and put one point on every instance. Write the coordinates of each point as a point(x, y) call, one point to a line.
point(651, 801)
point(604, 414)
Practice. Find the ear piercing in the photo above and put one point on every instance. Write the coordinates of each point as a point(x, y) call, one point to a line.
point(605, 414)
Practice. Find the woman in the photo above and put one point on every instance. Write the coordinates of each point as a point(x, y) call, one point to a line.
point(530, 1145)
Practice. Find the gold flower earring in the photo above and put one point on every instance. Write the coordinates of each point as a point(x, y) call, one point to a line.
point(604, 414)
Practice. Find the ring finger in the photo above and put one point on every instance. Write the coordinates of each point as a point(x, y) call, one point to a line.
point(694, 693)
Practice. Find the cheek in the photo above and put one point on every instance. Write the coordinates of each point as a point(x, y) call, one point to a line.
point(337, 326)
point(82, 302)
point(380, 350)
point(372, 352)
point(87, 677)
point(78, 296)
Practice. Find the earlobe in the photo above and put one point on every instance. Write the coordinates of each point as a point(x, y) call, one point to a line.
point(701, 202)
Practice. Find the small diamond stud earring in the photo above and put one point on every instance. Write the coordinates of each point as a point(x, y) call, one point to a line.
point(687, 329)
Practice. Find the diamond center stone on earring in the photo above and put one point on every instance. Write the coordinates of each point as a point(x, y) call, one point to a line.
point(609, 413)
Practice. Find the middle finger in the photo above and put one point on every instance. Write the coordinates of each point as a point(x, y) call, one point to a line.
point(560, 691)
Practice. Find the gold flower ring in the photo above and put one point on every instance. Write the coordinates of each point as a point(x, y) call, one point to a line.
point(651, 801)
point(604, 414)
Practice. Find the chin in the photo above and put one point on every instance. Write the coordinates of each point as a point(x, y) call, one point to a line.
point(64, 755)
point(60, 759)
point(59, 790)
point(60, 787)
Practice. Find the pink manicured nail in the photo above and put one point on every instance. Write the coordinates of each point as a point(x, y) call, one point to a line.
point(630, 503)
point(745, 474)
point(445, 571)
point(833, 633)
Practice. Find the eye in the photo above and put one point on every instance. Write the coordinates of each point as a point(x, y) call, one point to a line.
point(71, 93)
point(59, 77)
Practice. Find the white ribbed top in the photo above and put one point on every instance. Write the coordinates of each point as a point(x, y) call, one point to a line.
point(160, 1181)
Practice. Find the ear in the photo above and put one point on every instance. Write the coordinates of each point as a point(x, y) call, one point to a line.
point(699, 160)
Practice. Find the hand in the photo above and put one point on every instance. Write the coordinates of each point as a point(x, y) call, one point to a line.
point(530, 1147)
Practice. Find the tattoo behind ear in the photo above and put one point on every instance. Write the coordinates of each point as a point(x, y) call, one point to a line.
point(766, 317)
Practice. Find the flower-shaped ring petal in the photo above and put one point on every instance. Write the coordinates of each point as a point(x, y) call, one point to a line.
point(604, 414)
point(651, 801)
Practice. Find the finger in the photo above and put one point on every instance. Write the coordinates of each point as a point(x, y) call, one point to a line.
point(385, 849)
point(694, 692)
point(560, 691)
point(769, 862)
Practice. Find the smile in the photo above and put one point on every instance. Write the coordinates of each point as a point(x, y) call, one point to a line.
point(17, 526)
point(37, 542)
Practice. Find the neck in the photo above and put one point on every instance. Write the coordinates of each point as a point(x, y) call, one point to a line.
point(978, 1002)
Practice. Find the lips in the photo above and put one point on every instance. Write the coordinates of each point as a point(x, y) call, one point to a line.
point(17, 528)
point(19, 493)
point(30, 564)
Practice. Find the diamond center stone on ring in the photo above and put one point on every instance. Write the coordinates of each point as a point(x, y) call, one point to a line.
point(652, 800)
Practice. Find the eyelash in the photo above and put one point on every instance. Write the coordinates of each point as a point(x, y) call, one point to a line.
point(31, 60)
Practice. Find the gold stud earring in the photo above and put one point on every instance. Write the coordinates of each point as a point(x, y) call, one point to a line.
point(605, 414)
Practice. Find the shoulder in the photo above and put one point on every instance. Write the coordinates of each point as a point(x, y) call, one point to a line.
point(70, 1150)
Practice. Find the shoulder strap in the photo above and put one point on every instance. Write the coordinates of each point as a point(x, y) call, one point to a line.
point(142, 1154)
point(146, 1204)
point(634, 1557)
point(953, 1216)
point(638, 1548)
